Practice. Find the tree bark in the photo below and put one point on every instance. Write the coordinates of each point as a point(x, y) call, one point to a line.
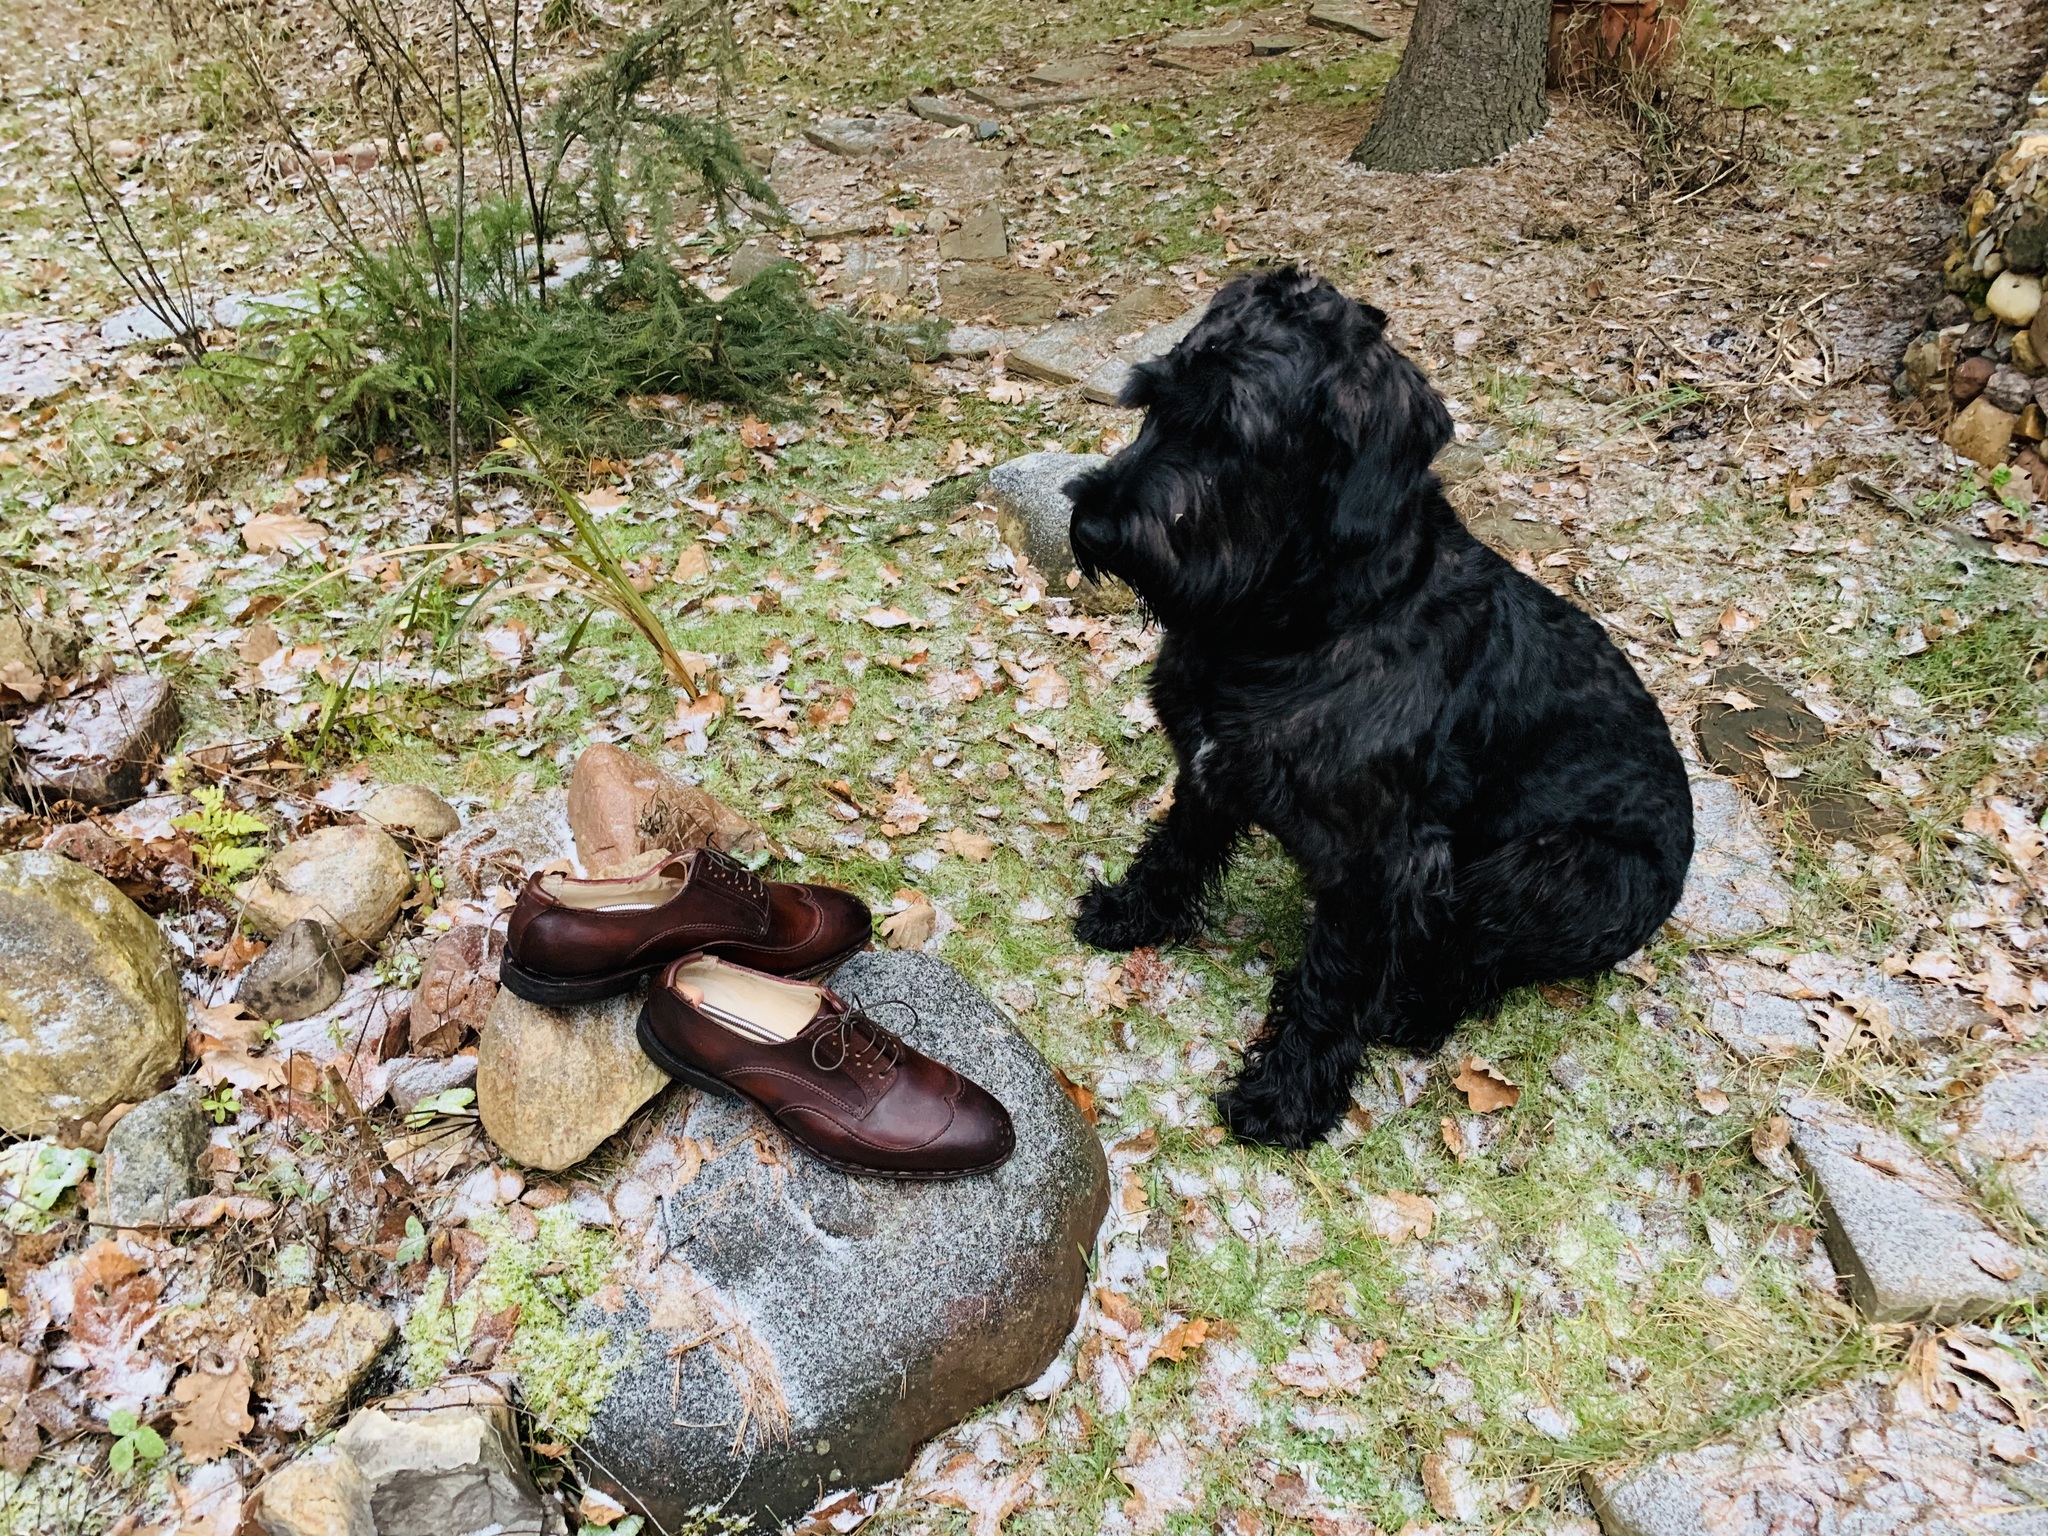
point(1470, 86)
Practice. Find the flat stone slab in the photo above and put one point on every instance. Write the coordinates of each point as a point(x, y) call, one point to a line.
point(1868, 1459)
point(1105, 386)
point(1235, 35)
point(1002, 296)
point(2005, 1128)
point(1733, 888)
point(953, 170)
point(1748, 1011)
point(830, 1324)
point(1012, 103)
point(1347, 18)
point(1073, 71)
point(1902, 1231)
point(1034, 516)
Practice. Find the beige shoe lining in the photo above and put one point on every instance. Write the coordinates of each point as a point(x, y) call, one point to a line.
point(641, 893)
point(747, 1003)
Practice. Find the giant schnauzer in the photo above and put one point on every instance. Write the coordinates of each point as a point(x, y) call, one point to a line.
point(1479, 790)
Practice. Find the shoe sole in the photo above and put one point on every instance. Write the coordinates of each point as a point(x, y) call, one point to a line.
point(676, 1067)
point(553, 992)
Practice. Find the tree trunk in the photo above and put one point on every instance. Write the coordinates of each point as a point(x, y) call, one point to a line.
point(1470, 86)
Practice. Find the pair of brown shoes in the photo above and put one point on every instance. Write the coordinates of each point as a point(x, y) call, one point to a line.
point(726, 1015)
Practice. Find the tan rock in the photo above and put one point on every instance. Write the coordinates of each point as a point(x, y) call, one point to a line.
point(320, 1494)
point(444, 1460)
point(553, 1083)
point(620, 806)
point(310, 1372)
point(1981, 431)
point(413, 809)
point(90, 1011)
point(352, 879)
point(2015, 298)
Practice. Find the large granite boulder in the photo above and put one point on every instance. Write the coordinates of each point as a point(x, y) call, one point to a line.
point(830, 1324)
point(90, 1012)
point(1033, 514)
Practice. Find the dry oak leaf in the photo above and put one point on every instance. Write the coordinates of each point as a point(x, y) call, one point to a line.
point(693, 564)
point(891, 618)
point(114, 1305)
point(1397, 1216)
point(1180, 1338)
point(212, 1408)
point(969, 845)
point(1484, 1088)
point(269, 533)
point(912, 926)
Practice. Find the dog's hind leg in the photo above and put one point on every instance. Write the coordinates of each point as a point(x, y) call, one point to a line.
point(1163, 894)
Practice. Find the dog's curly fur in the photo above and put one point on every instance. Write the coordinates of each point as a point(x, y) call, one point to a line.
point(1477, 787)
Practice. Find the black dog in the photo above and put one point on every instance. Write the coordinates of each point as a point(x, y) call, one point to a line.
point(1478, 788)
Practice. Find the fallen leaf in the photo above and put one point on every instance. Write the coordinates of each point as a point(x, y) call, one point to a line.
point(600, 1508)
point(1007, 391)
point(693, 564)
point(1712, 1100)
point(1768, 1142)
point(969, 845)
point(1996, 1257)
point(1736, 699)
point(1088, 771)
point(233, 957)
point(269, 533)
point(1484, 1089)
point(114, 1305)
point(890, 618)
point(1119, 1309)
point(1329, 1364)
point(212, 1407)
point(912, 926)
point(604, 499)
point(212, 1210)
point(988, 1496)
point(1397, 1216)
point(1180, 1338)
point(1083, 1098)
point(260, 644)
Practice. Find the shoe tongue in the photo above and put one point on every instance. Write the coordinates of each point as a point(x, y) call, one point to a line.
point(830, 1007)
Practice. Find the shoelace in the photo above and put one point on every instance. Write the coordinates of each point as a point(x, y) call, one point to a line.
point(856, 1032)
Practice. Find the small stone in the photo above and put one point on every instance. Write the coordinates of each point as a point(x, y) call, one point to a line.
point(1034, 515)
point(980, 237)
point(458, 983)
point(2014, 298)
point(854, 137)
point(754, 258)
point(1982, 432)
point(1268, 44)
point(123, 152)
point(1345, 18)
point(321, 1493)
point(309, 1373)
point(972, 341)
point(353, 879)
point(1733, 887)
point(2008, 389)
point(151, 1160)
point(622, 806)
point(90, 1009)
point(299, 975)
point(99, 748)
point(1072, 71)
point(1969, 377)
point(411, 809)
point(1922, 362)
point(35, 655)
point(1459, 462)
point(417, 1078)
point(934, 109)
point(1951, 309)
point(445, 1460)
point(554, 1083)
point(1236, 34)
point(1901, 1230)
point(2024, 357)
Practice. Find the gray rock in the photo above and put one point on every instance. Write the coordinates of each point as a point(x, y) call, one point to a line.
point(2005, 1134)
point(553, 1084)
point(236, 311)
point(1067, 351)
point(1733, 887)
point(1901, 1230)
point(1234, 35)
point(1014, 103)
point(125, 327)
point(955, 171)
point(99, 748)
point(1346, 18)
point(151, 1160)
point(90, 1011)
point(415, 1078)
point(1853, 1462)
point(854, 137)
point(1105, 385)
point(935, 109)
point(754, 258)
point(859, 1316)
point(299, 975)
point(502, 847)
point(1268, 44)
point(353, 879)
point(980, 237)
point(446, 1461)
point(1073, 71)
point(1747, 1009)
point(1459, 462)
point(321, 1493)
point(2009, 389)
point(971, 341)
point(412, 809)
point(1033, 513)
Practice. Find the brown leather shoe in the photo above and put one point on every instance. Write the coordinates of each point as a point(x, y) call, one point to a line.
point(574, 941)
point(840, 1085)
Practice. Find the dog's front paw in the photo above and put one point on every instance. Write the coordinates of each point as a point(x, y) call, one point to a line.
point(1281, 1104)
point(1120, 916)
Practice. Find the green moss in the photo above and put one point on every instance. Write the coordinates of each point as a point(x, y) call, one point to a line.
point(564, 1370)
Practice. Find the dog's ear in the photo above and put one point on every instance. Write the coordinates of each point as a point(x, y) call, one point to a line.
point(1383, 407)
